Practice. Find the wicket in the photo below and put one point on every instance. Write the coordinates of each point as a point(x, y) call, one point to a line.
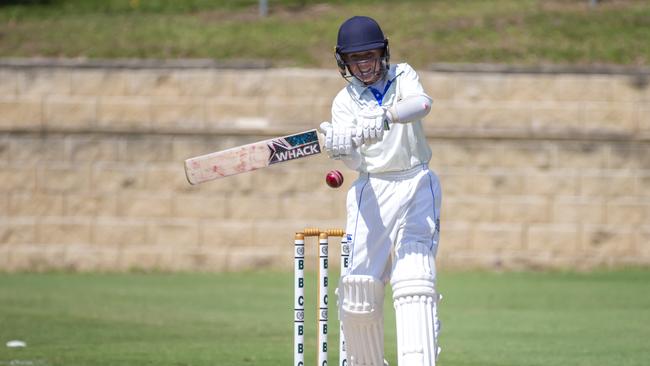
point(299, 293)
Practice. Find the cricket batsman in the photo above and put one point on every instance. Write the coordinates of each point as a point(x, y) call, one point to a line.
point(393, 208)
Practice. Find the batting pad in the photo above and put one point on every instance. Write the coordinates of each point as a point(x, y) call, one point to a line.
point(416, 303)
point(361, 310)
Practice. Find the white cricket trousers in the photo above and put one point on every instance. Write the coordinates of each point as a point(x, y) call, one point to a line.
point(387, 210)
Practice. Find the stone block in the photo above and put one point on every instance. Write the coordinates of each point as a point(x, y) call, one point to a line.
point(455, 235)
point(521, 155)
point(63, 179)
point(63, 231)
point(255, 206)
point(210, 260)
point(644, 118)
point(257, 258)
point(522, 209)
point(294, 83)
point(8, 84)
point(35, 204)
point(587, 154)
point(604, 88)
point(145, 206)
point(495, 182)
point(607, 184)
point(177, 114)
point(578, 209)
point(98, 82)
point(92, 149)
point(198, 83)
point(449, 114)
point(91, 204)
point(111, 231)
point(176, 233)
point(124, 114)
point(603, 244)
point(256, 83)
point(644, 183)
point(21, 113)
point(17, 231)
point(629, 88)
point(555, 116)
point(138, 257)
point(224, 82)
point(616, 117)
point(310, 207)
point(469, 208)
point(117, 177)
point(32, 151)
point(643, 243)
point(500, 115)
point(5, 144)
point(497, 237)
point(439, 86)
point(69, 113)
point(235, 112)
point(627, 211)
point(294, 111)
point(527, 87)
point(226, 233)
point(480, 87)
point(89, 258)
point(36, 257)
point(17, 179)
point(554, 240)
point(464, 154)
point(4, 205)
point(628, 156)
point(200, 206)
point(143, 149)
point(553, 182)
point(165, 177)
point(43, 81)
point(148, 82)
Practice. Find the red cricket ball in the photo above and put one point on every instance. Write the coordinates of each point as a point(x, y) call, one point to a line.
point(334, 178)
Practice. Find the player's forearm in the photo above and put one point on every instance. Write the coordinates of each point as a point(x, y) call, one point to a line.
point(409, 109)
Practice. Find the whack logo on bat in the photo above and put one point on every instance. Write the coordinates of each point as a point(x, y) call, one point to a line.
point(294, 147)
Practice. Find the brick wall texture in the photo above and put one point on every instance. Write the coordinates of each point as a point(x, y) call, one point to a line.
point(539, 169)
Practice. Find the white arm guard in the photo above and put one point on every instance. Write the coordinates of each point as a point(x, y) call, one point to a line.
point(409, 109)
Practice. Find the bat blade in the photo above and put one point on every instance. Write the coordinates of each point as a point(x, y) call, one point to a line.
point(250, 157)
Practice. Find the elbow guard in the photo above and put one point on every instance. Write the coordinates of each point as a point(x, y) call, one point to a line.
point(409, 109)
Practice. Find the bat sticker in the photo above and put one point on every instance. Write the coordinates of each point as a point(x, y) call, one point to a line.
point(294, 147)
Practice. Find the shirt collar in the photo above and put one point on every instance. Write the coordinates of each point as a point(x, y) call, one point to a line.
point(358, 88)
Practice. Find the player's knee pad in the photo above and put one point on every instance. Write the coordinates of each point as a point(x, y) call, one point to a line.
point(361, 312)
point(416, 303)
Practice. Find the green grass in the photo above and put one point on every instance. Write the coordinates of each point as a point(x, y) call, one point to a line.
point(303, 32)
point(489, 319)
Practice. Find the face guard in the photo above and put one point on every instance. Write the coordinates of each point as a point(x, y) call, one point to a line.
point(361, 34)
point(367, 70)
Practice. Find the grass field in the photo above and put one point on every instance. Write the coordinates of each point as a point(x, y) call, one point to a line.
point(303, 32)
point(489, 319)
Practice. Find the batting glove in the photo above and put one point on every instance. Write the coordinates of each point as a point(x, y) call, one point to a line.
point(371, 120)
point(338, 140)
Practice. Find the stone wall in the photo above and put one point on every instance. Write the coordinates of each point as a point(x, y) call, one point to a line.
point(544, 168)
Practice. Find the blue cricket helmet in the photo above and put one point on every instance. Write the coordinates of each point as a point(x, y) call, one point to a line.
point(358, 34)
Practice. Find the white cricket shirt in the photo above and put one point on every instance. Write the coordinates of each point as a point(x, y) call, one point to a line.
point(404, 146)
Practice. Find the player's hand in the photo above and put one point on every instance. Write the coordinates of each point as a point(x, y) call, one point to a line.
point(338, 140)
point(372, 121)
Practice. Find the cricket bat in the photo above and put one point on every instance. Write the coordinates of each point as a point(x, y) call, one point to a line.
point(253, 156)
